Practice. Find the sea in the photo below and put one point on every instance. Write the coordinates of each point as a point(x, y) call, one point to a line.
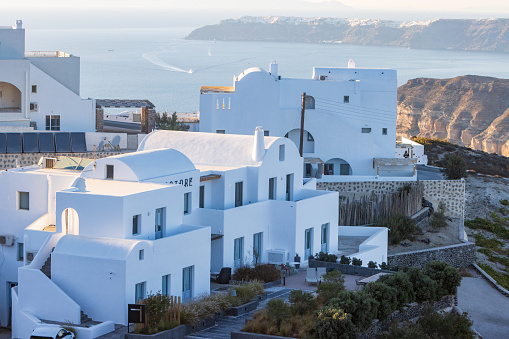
point(158, 64)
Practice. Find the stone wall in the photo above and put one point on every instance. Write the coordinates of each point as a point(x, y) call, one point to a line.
point(8, 161)
point(451, 192)
point(461, 255)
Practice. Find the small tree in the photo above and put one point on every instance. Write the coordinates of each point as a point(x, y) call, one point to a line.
point(278, 310)
point(170, 123)
point(438, 218)
point(454, 167)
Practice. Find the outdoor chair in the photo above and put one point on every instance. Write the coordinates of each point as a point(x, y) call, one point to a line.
point(311, 276)
point(224, 276)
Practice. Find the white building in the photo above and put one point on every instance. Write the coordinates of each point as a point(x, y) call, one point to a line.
point(93, 240)
point(40, 89)
point(349, 125)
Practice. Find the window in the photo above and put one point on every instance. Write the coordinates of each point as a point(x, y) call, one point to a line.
point(34, 88)
point(52, 122)
point(238, 193)
point(308, 242)
point(346, 99)
point(328, 169)
point(309, 102)
point(187, 283)
point(257, 247)
point(272, 188)
point(140, 290)
point(136, 224)
point(238, 251)
point(310, 137)
point(324, 237)
point(109, 171)
point(281, 152)
point(384, 131)
point(366, 130)
point(21, 251)
point(289, 187)
point(187, 203)
point(159, 222)
point(266, 133)
point(220, 131)
point(141, 255)
point(165, 287)
point(23, 201)
point(202, 197)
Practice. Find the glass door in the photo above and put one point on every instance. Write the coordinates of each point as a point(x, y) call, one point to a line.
point(159, 223)
point(308, 243)
point(238, 251)
point(187, 283)
point(325, 235)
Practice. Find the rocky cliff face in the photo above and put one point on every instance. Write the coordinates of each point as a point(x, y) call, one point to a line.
point(469, 110)
point(464, 34)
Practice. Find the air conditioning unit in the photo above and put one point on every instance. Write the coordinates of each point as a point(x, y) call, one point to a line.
point(45, 162)
point(276, 256)
point(322, 77)
point(6, 240)
point(33, 107)
point(30, 255)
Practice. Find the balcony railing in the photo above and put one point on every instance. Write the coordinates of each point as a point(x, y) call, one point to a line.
point(46, 54)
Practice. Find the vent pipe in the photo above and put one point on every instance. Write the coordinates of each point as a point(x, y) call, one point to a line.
point(259, 144)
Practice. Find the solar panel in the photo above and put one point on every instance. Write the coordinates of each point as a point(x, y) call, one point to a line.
point(78, 142)
point(30, 143)
point(63, 142)
point(14, 143)
point(46, 142)
point(3, 143)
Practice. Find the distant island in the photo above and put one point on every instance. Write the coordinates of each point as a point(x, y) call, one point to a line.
point(490, 35)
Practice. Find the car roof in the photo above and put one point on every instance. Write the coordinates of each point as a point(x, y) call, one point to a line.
point(47, 330)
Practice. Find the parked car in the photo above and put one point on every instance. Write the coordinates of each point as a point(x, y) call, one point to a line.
point(51, 332)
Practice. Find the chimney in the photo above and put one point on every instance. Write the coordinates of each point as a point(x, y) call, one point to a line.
point(273, 69)
point(19, 24)
point(351, 63)
point(259, 144)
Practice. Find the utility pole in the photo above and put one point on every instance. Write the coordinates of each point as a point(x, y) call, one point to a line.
point(303, 110)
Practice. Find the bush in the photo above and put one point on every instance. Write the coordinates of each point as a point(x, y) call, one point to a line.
point(400, 227)
point(302, 302)
point(447, 277)
point(454, 167)
point(157, 306)
point(277, 310)
point(386, 296)
point(247, 292)
point(334, 277)
point(332, 285)
point(262, 272)
point(356, 262)
point(438, 218)
point(363, 307)
point(326, 257)
point(425, 288)
point(384, 266)
point(333, 323)
point(372, 264)
point(504, 202)
point(401, 282)
point(345, 260)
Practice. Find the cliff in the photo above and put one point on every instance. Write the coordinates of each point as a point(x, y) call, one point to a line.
point(471, 111)
point(461, 34)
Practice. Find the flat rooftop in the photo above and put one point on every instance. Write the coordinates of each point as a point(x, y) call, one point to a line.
point(115, 188)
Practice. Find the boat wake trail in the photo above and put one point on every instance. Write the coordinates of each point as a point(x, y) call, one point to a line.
point(153, 57)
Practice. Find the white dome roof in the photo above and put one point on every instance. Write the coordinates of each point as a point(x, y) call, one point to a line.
point(252, 70)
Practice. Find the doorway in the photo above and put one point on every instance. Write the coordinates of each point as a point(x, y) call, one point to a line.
point(70, 221)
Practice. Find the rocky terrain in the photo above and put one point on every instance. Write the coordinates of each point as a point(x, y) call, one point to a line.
point(461, 34)
point(468, 110)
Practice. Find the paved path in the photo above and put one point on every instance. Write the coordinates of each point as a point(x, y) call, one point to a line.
point(429, 173)
point(488, 308)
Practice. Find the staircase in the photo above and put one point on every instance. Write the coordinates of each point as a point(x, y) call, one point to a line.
point(85, 318)
point(46, 268)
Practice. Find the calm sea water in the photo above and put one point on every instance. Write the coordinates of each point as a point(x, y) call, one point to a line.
point(159, 65)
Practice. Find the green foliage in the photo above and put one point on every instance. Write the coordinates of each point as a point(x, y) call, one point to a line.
point(345, 260)
point(246, 292)
point(333, 277)
point(326, 257)
point(302, 302)
point(169, 123)
point(447, 277)
point(356, 262)
point(438, 218)
point(156, 308)
point(372, 264)
point(262, 272)
point(497, 225)
point(329, 290)
point(425, 288)
point(384, 266)
point(433, 325)
point(404, 288)
point(504, 202)
point(387, 297)
point(454, 167)
point(333, 323)
point(491, 243)
point(363, 307)
point(501, 278)
point(400, 227)
point(278, 310)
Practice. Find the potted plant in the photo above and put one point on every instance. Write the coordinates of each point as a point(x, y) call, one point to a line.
point(296, 259)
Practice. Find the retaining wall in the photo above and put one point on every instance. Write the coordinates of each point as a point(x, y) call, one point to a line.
point(347, 269)
point(460, 255)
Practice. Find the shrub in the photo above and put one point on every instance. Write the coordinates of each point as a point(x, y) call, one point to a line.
point(404, 288)
point(438, 218)
point(504, 202)
point(384, 266)
point(425, 288)
point(277, 310)
point(386, 297)
point(302, 302)
point(262, 272)
point(400, 227)
point(334, 277)
point(447, 277)
point(356, 262)
point(345, 260)
point(326, 257)
point(454, 167)
point(363, 307)
point(333, 323)
point(372, 264)
point(247, 292)
point(332, 285)
point(157, 306)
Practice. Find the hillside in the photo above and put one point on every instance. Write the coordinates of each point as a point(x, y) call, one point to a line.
point(460, 34)
point(471, 111)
